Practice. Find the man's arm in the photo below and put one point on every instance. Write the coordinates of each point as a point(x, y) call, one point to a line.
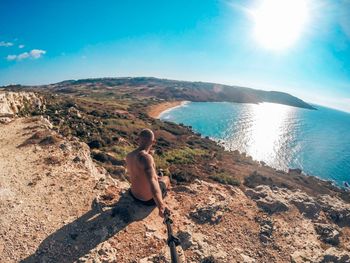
point(148, 164)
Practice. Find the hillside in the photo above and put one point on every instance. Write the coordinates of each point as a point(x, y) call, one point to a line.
point(175, 90)
point(58, 207)
point(64, 201)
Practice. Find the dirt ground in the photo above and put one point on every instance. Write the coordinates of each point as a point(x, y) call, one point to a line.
point(56, 206)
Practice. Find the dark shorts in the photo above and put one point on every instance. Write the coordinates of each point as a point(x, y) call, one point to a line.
point(151, 201)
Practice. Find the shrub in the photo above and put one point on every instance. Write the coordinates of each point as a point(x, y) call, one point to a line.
point(99, 156)
point(255, 179)
point(224, 178)
point(95, 144)
point(185, 155)
point(121, 151)
point(160, 162)
point(183, 176)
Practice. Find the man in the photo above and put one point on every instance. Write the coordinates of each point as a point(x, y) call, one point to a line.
point(146, 187)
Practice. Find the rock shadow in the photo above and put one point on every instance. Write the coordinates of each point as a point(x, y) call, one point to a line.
point(77, 238)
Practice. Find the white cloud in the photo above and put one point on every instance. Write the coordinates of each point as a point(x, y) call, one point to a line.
point(11, 57)
point(37, 53)
point(5, 44)
point(34, 54)
point(20, 46)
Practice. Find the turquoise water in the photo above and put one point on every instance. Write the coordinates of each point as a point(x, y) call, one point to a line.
point(317, 141)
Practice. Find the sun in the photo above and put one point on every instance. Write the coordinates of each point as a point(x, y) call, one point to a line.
point(278, 24)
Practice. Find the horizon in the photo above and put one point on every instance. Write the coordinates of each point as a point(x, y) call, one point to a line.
point(237, 43)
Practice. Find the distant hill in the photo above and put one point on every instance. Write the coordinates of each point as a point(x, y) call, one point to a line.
point(178, 90)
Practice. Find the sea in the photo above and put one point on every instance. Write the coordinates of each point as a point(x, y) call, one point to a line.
point(316, 141)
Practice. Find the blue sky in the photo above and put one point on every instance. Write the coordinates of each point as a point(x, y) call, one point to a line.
point(49, 41)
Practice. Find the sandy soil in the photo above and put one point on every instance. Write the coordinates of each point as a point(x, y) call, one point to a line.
point(155, 110)
point(39, 189)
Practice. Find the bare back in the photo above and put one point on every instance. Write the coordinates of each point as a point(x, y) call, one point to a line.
point(140, 185)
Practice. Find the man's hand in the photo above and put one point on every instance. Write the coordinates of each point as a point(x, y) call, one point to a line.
point(162, 209)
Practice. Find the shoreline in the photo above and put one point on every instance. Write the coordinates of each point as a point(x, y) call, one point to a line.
point(155, 111)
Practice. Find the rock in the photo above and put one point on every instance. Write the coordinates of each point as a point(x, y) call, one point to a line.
point(301, 257)
point(335, 209)
point(84, 155)
point(247, 259)
point(12, 103)
point(46, 123)
point(65, 147)
point(267, 200)
point(209, 259)
point(77, 159)
point(205, 249)
point(295, 170)
point(266, 229)
point(211, 214)
point(328, 234)
point(5, 120)
point(118, 172)
point(74, 112)
point(275, 199)
point(37, 148)
point(305, 204)
point(185, 239)
point(333, 255)
point(266, 232)
point(272, 206)
point(163, 256)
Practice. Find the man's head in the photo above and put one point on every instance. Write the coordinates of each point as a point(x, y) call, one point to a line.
point(146, 138)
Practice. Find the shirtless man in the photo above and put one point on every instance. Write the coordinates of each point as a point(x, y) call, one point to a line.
point(146, 187)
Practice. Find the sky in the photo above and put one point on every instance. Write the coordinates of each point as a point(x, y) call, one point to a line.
point(297, 46)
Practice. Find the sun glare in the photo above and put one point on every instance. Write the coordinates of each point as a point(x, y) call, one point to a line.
point(279, 23)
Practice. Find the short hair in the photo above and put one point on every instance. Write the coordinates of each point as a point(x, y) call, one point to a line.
point(146, 134)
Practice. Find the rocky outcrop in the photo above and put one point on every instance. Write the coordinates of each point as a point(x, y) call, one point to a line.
point(271, 200)
point(328, 233)
point(275, 199)
point(12, 103)
point(335, 209)
point(210, 214)
point(266, 229)
point(331, 255)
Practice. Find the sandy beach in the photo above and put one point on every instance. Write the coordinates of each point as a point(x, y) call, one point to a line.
point(155, 110)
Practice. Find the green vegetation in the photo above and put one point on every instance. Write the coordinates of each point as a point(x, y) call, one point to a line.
point(161, 163)
point(224, 178)
point(120, 151)
point(108, 117)
point(185, 155)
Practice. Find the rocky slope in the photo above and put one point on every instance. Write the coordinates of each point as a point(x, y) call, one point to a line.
point(58, 205)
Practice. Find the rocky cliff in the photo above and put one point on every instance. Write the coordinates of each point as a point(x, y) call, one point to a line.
point(58, 205)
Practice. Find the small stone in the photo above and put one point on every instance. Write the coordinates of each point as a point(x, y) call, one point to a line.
point(328, 234)
point(76, 159)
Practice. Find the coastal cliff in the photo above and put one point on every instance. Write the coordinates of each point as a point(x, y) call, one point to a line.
point(64, 193)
